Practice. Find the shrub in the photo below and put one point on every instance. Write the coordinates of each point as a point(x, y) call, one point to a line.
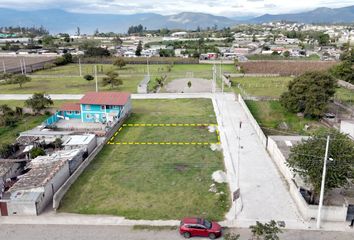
point(37, 151)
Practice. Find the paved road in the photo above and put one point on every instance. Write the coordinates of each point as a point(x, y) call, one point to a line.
point(263, 192)
point(67, 232)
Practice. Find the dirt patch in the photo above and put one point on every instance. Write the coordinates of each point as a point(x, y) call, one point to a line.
point(181, 85)
point(181, 167)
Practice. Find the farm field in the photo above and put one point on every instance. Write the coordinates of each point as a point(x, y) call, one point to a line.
point(14, 62)
point(156, 181)
point(285, 68)
point(270, 114)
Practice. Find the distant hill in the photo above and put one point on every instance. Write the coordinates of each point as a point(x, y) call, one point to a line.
point(319, 15)
point(60, 21)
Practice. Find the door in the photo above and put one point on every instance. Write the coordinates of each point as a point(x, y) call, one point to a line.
point(350, 213)
point(200, 231)
point(3, 209)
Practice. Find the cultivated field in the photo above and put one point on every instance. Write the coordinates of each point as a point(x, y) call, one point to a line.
point(155, 181)
point(285, 68)
point(13, 63)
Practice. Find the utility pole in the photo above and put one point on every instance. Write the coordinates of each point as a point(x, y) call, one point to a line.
point(24, 66)
point(323, 184)
point(3, 66)
point(21, 66)
point(147, 66)
point(80, 70)
point(221, 76)
point(214, 79)
point(96, 78)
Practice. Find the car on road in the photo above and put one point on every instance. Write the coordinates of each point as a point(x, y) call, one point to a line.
point(199, 227)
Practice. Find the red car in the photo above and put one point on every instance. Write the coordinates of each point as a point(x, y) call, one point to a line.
point(198, 227)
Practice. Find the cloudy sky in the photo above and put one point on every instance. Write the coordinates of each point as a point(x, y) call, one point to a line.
point(228, 8)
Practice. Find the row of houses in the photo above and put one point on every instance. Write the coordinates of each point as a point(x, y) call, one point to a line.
point(27, 185)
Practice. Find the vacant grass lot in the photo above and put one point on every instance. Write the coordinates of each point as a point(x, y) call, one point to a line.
point(270, 114)
point(8, 135)
point(157, 181)
point(262, 86)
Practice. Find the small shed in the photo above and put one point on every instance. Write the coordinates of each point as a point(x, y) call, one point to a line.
point(86, 142)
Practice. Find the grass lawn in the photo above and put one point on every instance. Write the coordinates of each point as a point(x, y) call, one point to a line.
point(157, 181)
point(345, 95)
point(68, 85)
point(262, 86)
point(66, 79)
point(9, 134)
point(269, 114)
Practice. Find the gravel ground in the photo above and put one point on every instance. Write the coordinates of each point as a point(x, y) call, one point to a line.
point(180, 85)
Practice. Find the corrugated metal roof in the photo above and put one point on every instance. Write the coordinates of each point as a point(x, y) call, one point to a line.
point(70, 107)
point(106, 98)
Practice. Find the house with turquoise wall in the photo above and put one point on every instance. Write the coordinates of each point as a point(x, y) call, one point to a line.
point(98, 107)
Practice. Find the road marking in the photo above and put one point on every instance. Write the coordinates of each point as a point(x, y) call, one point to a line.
point(112, 139)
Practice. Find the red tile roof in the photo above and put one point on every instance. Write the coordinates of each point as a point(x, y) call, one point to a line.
point(105, 98)
point(70, 107)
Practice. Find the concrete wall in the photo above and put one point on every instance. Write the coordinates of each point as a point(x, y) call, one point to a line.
point(253, 121)
point(58, 196)
point(329, 213)
point(13, 172)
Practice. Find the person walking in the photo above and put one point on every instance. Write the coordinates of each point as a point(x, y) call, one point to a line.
point(352, 223)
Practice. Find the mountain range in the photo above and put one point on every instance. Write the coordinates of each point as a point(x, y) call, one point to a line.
point(56, 20)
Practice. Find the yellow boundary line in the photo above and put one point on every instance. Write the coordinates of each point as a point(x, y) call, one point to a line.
point(169, 125)
point(111, 141)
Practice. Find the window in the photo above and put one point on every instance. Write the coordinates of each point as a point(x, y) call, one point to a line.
point(69, 112)
point(87, 107)
point(77, 112)
point(102, 107)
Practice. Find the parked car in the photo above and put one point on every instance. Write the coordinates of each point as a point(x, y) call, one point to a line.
point(199, 227)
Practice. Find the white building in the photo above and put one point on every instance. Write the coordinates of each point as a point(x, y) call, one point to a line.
point(347, 127)
point(86, 142)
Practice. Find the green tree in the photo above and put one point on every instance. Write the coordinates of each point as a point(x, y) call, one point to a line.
point(139, 48)
point(286, 54)
point(112, 79)
point(344, 71)
point(38, 102)
point(119, 62)
point(19, 79)
point(306, 159)
point(88, 77)
point(117, 41)
point(37, 151)
point(266, 231)
point(58, 143)
point(309, 93)
point(323, 39)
